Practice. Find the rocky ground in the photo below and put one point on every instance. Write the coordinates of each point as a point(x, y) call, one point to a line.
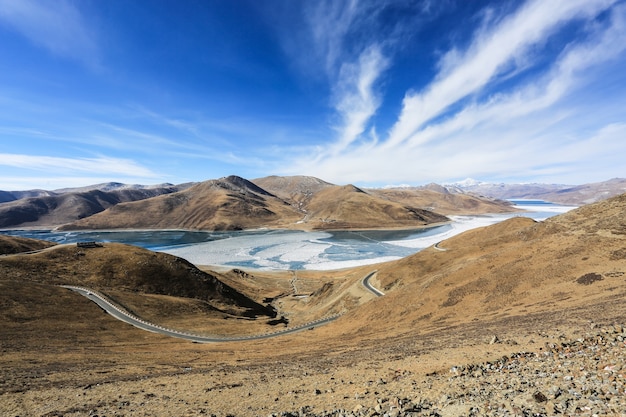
point(583, 376)
point(427, 348)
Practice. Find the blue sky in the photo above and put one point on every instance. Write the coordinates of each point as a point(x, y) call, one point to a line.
point(371, 93)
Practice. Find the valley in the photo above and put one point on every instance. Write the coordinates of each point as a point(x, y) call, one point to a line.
point(519, 294)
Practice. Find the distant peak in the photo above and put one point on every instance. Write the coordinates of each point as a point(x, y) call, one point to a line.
point(354, 188)
point(244, 184)
point(467, 182)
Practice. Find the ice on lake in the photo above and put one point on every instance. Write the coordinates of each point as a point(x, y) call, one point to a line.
point(272, 249)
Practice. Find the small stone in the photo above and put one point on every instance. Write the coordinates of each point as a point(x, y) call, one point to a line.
point(539, 397)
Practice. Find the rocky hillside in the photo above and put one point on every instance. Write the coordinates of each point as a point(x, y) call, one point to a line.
point(11, 245)
point(557, 193)
point(127, 269)
point(230, 203)
point(514, 268)
point(349, 207)
point(65, 207)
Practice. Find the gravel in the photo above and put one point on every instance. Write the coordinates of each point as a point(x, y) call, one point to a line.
point(583, 377)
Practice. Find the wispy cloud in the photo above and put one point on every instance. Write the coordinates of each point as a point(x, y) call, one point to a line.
point(57, 26)
point(330, 22)
point(57, 165)
point(566, 75)
point(494, 52)
point(353, 68)
point(357, 100)
point(467, 121)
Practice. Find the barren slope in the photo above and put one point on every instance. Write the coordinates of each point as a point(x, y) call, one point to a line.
point(118, 269)
point(439, 200)
point(531, 284)
point(10, 244)
point(348, 207)
point(55, 210)
point(234, 203)
point(296, 190)
point(230, 203)
point(515, 268)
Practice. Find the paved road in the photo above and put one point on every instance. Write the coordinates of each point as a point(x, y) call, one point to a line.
point(126, 317)
point(437, 247)
point(123, 315)
point(366, 284)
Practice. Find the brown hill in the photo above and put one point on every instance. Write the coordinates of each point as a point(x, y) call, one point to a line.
point(300, 190)
point(440, 200)
point(587, 193)
point(517, 268)
point(533, 285)
point(557, 193)
point(122, 269)
point(296, 190)
point(11, 245)
point(230, 203)
point(233, 203)
point(349, 207)
point(53, 210)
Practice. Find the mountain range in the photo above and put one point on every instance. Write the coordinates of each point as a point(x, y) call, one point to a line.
point(519, 291)
point(557, 193)
point(297, 202)
point(229, 203)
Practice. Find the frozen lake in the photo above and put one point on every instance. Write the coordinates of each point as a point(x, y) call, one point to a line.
point(279, 249)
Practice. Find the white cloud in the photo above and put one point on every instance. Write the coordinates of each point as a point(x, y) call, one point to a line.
point(21, 183)
point(546, 127)
point(356, 99)
point(329, 23)
point(56, 165)
point(492, 53)
point(353, 67)
point(58, 26)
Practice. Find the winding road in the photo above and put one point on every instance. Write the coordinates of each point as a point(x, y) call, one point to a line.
point(123, 315)
point(370, 287)
point(437, 247)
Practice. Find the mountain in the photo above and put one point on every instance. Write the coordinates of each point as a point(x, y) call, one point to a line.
point(234, 203)
point(118, 269)
point(117, 186)
point(442, 200)
point(556, 193)
point(573, 264)
point(6, 196)
point(229, 203)
point(60, 208)
point(349, 207)
point(11, 244)
point(328, 206)
point(297, 202)
point(296, 190)
point(588, 193)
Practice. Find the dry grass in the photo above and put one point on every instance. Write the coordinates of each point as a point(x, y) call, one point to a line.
point(518, 280)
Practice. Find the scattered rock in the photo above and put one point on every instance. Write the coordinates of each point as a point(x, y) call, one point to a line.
point(589, 278)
